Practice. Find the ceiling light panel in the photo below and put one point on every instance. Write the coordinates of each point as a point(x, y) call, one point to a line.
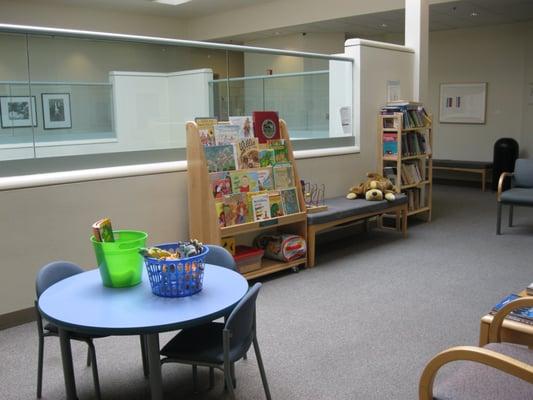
point(171, 2)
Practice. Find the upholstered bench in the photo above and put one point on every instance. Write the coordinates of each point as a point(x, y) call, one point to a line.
point(342, 211)
point(476, 167)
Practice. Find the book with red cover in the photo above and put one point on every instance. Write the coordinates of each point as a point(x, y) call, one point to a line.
point(266, 126)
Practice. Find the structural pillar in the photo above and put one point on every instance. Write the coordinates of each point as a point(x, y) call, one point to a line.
point(417, 38)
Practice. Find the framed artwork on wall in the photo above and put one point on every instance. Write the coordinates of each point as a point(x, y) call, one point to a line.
point(18, 111)
point(56, 110)
point(463, 103)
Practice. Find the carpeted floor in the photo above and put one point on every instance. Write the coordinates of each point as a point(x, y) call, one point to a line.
point(361, 325)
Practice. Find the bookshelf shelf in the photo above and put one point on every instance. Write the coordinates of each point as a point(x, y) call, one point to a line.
point(203, 221)
point(417, 167)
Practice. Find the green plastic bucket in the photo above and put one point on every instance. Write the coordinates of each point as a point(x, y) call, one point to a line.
point(119, 262)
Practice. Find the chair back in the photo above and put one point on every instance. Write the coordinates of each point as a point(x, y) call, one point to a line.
point(218, 255)
point(241, 321)
point(54, 272)
point(523, 173)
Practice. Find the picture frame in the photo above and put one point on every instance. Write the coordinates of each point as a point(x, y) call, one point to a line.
point(56, 111)
point(463, 103)
point(18, 111)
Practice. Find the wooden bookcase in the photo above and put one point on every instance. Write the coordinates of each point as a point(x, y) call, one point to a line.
point(394, 124)
point(203, 223)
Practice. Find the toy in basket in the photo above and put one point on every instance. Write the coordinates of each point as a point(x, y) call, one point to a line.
point(176, 269)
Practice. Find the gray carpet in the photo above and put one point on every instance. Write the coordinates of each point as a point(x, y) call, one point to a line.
point(361, 325)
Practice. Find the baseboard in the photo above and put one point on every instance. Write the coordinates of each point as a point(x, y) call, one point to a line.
point(15, 318)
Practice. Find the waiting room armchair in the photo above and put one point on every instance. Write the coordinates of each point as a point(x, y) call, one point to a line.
point(520, 193)
point(501, 371)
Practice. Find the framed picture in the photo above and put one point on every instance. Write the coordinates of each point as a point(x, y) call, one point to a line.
point(18, 111)
point(463, 103)
point(56, 111)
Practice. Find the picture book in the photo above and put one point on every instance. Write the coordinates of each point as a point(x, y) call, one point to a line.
point(221, 216)
point(248, 153)
point(264, 179)
point(523, 314)
point(260, 207)
point(281, 153)
point(507, 299)
point(206, 130)
point(220, 184)
point(276, 204)
point(266, 125)
point(103, 231)
point(236, 209)
point(289, 199)
point(229, 244)
point(283, 177)
point(244, 181)
point(245, 124)
point(266, 157)
point(226, 134)
point(220, 158)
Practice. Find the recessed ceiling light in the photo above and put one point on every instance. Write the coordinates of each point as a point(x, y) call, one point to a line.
point(171, 2)
point(383, 25)
point(474, 14)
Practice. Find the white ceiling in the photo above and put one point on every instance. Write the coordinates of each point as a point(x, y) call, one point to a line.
point(442, 16)
point(195, 8)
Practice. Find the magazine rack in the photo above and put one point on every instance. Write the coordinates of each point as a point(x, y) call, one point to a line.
point(203, 221)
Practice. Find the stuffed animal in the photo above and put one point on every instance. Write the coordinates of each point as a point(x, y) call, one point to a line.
point(374, 188)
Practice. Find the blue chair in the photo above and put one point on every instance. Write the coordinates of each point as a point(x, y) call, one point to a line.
point(220, 345)
point(521, 192)
point(218, 255)
point(47, 276)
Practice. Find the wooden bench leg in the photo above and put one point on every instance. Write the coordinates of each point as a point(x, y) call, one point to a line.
point(311, 233)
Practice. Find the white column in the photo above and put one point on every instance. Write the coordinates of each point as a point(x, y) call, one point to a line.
point(417, 38)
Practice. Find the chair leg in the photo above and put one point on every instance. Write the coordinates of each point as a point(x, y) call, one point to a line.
point(143, 355)
point(195, 378)
point(40, 367)
point(232, 371)
point(228, 381)
point(245, 357)
point(95, 370)
point(511, 209)
point(499, 220)
point(261, 369)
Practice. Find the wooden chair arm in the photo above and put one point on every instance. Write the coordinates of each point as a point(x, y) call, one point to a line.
point(469, 353)
point(497, 320)
point(500, 182)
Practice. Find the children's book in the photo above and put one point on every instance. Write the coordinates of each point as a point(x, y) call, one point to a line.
point(245, 124)
point(220, 158)
point(236, 209)
point(103, 231)
point(221, 215)
point(260, 207)
point(266, 157)
point(229, 244)
point(281, 153)
point(244, 181)
point(276, 204)
point(220, 184)
point(248, 153)
point(266, 125)
point(283, 177)
point(264, 179)
point(289, 199)
point(226, 134)
point(206, 130)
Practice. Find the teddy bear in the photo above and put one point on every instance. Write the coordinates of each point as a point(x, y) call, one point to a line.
point(374, 188)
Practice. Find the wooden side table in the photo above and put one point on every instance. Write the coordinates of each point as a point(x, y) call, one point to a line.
point(512, 331)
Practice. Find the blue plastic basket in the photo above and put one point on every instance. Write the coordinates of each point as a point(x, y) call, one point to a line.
point(176, 278)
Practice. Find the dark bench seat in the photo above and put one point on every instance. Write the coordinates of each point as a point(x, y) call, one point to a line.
point(477, 167)
point(342, 211)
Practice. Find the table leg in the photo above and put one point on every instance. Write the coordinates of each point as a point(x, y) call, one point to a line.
point(68, 368)
point(154, 366)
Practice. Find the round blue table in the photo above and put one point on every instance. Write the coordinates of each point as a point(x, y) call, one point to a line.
point(82, 304)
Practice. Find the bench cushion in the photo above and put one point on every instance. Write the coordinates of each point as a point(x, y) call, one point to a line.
point(462, 164)
point(468, 380)
point(518, 196)
point(341, 207)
